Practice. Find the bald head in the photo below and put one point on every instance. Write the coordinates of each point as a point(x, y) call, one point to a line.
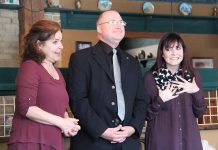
point(104, 15)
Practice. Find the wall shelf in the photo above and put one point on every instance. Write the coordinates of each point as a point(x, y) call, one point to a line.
point(139, 22)
point(136, 22)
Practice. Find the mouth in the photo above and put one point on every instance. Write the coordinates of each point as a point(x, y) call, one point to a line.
point(58, 53)
point(175, 58)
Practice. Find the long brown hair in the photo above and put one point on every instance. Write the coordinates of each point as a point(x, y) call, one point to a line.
point(41, 31)
point(166, 41)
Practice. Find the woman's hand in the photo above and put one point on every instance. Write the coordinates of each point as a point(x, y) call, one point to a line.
point(188, 87)
point(167, 94)
point(70, 126)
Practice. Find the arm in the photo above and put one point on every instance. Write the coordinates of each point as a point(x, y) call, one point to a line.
point(199, 106)
point(154, 100)
point(79, 80)
point(38, 115)
point(140, 105)
point(27, 83)
point(195, 90)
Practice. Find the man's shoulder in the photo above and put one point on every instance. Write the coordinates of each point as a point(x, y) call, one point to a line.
point(82, 53)
point(130, 57)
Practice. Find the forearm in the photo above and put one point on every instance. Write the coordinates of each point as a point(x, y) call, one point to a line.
point(38, 115)
point(198, 105)
point(154, 101)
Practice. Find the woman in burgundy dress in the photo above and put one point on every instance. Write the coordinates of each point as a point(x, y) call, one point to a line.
point(175, 99)
point(41, 120)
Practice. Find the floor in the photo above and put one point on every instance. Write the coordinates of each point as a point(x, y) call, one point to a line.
point(3, 146)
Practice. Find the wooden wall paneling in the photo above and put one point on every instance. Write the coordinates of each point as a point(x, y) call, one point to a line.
point(31, 11)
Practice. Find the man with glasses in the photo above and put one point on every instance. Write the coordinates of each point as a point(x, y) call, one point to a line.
point(106, 91)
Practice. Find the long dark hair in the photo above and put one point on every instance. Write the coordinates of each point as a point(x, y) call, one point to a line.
point(41, 31)
point(166, 41)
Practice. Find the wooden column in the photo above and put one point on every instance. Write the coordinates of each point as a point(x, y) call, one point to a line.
point(31, 11)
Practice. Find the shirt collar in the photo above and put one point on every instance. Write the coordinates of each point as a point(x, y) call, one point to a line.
point(108, 49)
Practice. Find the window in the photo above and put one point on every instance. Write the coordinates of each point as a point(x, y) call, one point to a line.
point(7, 107)
point(210, 118)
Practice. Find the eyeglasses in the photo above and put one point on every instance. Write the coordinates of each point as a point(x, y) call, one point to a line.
point(113, 22)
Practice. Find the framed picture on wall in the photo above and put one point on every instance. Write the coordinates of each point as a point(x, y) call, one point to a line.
point(202, 62)
point(82, 45)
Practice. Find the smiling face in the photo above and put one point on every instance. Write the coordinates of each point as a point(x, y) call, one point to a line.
point(173, 56)
point(108, 32)
point(52, 48)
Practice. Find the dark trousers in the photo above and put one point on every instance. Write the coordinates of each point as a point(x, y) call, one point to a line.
point(117, 146)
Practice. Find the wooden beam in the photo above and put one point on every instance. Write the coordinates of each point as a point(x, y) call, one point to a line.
point(31, 11)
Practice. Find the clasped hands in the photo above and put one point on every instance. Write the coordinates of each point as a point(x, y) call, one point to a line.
point(171, 90)
point(118, 134)
point(70, 126)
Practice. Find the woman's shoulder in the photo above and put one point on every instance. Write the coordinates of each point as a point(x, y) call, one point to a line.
point(30, 67)
point(148, 75)
point(29, 63)
point(149, 78)
point(197, 75)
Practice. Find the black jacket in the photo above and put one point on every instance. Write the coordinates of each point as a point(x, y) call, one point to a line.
point(93, 98)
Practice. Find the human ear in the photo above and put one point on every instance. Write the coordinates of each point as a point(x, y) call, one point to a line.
point(99, 30)
point(39, 44)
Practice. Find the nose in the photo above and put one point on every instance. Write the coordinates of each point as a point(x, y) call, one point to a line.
point(61, 46)
point(174, 51)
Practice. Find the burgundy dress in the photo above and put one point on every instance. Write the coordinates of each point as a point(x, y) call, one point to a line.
point(35, 87)
point(172, 125)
